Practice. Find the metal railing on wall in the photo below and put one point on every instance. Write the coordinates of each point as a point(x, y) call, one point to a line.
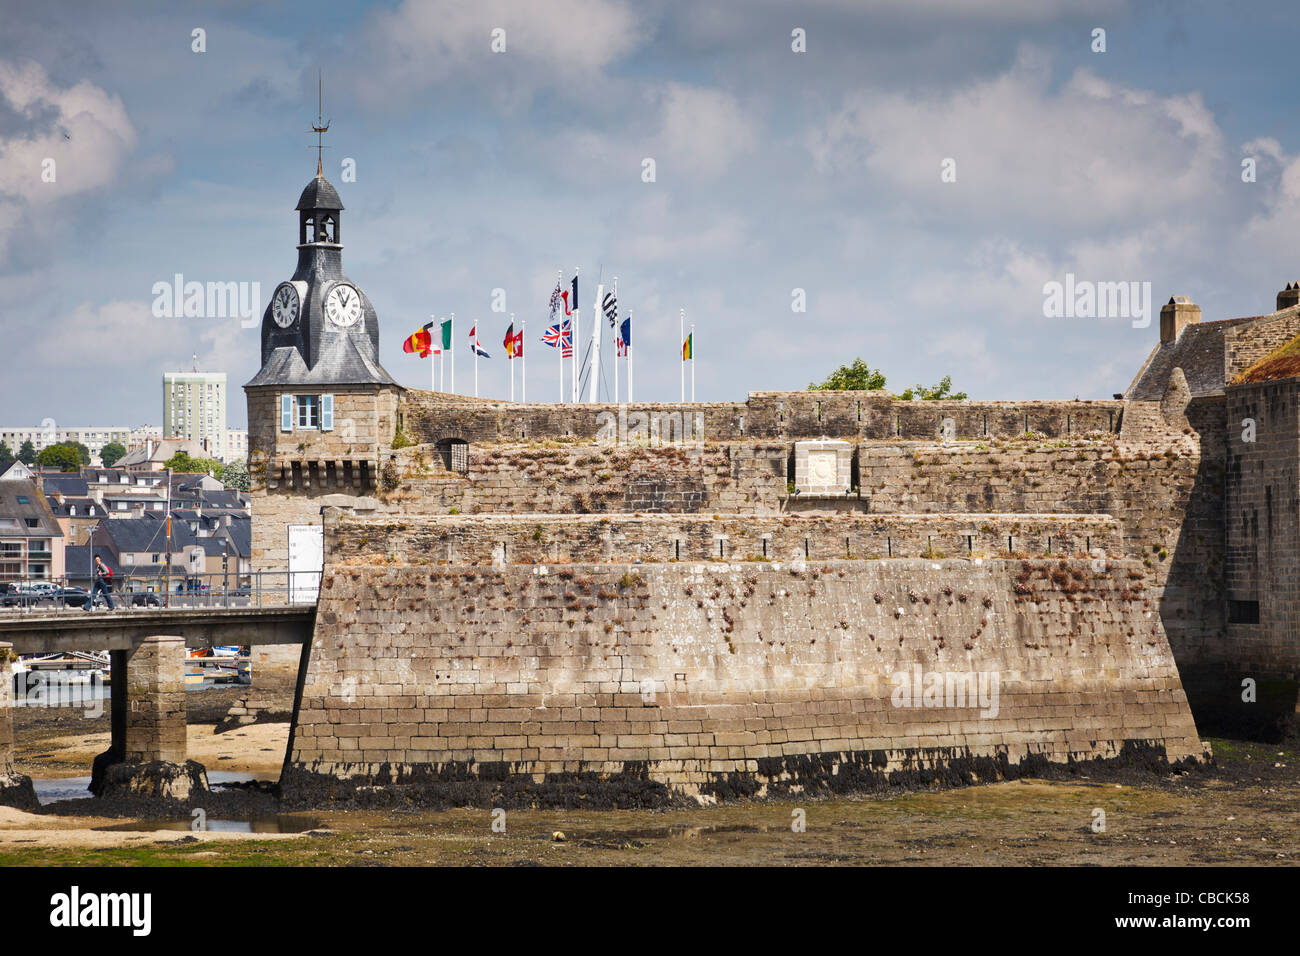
point(217, 589)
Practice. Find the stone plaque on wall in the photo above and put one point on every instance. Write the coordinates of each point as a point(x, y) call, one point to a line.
point(822, 467)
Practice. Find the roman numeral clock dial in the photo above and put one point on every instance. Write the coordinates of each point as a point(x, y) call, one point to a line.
point(343, 306)
point(284, 306)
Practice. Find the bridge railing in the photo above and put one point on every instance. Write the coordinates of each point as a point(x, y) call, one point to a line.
point(218, 589)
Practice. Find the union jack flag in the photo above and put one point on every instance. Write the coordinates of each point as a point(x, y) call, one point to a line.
point(560, 335)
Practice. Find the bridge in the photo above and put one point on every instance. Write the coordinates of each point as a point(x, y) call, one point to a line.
point(62, 632)
point(147, 654)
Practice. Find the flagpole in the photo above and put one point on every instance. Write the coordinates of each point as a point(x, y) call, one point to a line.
point(523, 362)
point(617, 335)
point(629, 357)
point(442, 381)
point(433, 381)
point(559, 283)
point(512, 360)
point(577, 334)
point(474, 346)
point(681, 334)
point(453, 351)
point(692, 363)
point(595, 342)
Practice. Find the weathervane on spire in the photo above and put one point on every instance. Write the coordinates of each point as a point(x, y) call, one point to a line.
point(317, 127)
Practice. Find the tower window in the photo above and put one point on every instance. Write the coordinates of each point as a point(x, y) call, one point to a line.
point(308, 411)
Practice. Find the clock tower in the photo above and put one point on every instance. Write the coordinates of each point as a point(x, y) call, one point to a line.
point(322, 407)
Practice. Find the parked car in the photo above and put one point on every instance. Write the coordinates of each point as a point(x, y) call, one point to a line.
point(27, 594)
point(73, 596)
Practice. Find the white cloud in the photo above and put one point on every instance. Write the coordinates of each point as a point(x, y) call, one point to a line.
point(88, 136)
point(125, 334)
point(424, 43)
point(1093, 153)
point(701, 130)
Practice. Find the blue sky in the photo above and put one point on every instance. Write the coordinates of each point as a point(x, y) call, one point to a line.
point(776, 171)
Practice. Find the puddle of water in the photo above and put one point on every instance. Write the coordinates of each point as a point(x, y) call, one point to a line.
point(270, 823)
point(77, 788)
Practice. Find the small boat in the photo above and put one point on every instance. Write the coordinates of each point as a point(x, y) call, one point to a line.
point(194, 677)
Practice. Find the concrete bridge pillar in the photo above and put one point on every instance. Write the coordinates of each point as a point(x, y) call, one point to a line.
point(147, 755)
point(15, 788)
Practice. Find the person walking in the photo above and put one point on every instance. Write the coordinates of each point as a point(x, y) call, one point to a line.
point(103, 582)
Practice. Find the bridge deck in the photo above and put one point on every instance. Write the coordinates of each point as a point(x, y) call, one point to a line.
point(123, 629)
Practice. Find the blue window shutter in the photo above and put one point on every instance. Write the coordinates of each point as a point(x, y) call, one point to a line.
point(327, 413)
point(286, 413)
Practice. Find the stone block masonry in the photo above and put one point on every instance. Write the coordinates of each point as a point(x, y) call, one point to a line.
point(15, 788)
point(569, 539)
point(433, 417)
point(642, 685)
point(155, 716)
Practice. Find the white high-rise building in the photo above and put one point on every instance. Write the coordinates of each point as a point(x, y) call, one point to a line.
point(194, 407)
point(236, 444)
point(94, 437)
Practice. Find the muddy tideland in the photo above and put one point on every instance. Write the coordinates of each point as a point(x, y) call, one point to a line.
point(1242, 810)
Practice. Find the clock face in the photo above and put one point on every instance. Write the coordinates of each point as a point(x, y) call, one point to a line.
point(343, 305)
point(284, 306)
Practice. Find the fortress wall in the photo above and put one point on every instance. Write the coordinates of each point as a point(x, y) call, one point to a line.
point(1247, 343)
point(1263, 527)
point(566, 539)
point(728, 477)
point(432, 416)
point(662, 682)
point(1146, 488)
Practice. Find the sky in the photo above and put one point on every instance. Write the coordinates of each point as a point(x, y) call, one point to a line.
point(914, 177)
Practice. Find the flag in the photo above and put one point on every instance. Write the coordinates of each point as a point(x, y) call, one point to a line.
point(513, 342)
point(571, 306)
point(624, 337)
point(474, 345)
point(610, 307)
point(557, 298)
point(446, 335)
point(419, 341)
point(560, 335)
point(688, 351)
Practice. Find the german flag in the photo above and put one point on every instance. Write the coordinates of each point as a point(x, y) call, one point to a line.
point(513, 342)
point(420, 342)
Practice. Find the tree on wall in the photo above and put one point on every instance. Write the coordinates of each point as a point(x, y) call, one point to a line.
point(856, 377)
point(112, 453)
point(935, 393)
